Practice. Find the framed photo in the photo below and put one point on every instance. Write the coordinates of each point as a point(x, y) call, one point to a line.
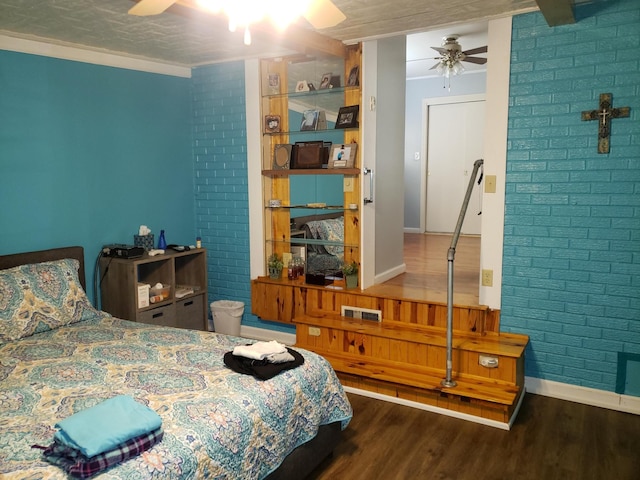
point(343, 156)
point(282, 156)
point(274, 83)
point(309, 120)
point(271, 123)
point(354, 77)
point(348, 117)
point(307, 155)
point(326, 80)
point(335, 81)
point(302, 86)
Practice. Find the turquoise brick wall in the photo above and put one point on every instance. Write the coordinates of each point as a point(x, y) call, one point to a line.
point(571, 265)
point(221, 188)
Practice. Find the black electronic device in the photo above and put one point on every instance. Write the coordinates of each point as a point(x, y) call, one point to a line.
point(120, 250)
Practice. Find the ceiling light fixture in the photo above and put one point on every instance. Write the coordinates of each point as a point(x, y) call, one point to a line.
point(452, 56)
point(244, 13)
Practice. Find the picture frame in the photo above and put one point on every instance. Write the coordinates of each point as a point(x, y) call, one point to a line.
point(309, 120)
point(282, 156)
point(343, 156)
point(348, 117)
point(326, 81)
point(273, 83)
point(307, 155)
point(302, 86)
point(335, 81)
point(354, 77)
point(272, 123)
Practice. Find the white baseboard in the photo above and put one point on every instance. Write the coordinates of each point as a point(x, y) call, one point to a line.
point(585, 395)
point(439, 410)
point(256, 333)
point(389, 274)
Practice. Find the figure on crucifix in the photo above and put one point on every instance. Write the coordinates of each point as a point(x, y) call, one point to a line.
point(604, 115)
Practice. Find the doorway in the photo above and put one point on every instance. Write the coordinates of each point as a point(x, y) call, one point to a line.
point(454, 141)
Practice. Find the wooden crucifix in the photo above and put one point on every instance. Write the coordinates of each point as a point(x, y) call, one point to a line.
point(604, 115)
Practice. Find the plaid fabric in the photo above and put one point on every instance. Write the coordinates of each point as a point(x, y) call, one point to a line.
point(79, 466)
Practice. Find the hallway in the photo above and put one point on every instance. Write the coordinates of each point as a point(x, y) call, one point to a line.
point(425, 256)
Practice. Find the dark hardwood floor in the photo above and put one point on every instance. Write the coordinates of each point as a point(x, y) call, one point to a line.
point(550, 439)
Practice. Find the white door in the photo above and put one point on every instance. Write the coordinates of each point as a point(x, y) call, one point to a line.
point(455, 133)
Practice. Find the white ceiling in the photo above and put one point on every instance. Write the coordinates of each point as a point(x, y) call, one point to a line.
point(197, 38)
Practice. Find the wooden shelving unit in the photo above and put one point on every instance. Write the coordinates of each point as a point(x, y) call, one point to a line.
point(121, 277)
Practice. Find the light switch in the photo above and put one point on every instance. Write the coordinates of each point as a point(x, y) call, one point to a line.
point(490, 184)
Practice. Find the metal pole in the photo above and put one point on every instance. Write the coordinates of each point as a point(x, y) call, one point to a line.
point(451, 254)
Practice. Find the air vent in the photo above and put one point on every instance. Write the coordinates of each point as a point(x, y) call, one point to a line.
point(361, 313)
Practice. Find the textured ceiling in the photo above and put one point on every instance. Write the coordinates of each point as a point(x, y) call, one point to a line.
point(196, 38)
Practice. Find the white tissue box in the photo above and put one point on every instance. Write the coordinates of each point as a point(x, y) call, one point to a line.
point(143, 295)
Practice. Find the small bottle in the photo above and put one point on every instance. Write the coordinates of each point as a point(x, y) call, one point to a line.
point(198, 242)
point(292, 271)
point(162, 243)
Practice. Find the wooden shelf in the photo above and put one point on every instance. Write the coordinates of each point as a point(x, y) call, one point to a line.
point(121, 276)
point(311, 171)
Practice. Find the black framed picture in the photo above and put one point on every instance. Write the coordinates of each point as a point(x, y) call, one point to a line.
point(348, 117)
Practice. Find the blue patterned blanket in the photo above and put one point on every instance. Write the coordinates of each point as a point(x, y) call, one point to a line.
point(217, 423)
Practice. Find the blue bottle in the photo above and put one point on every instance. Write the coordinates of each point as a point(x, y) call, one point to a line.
point(162, 243)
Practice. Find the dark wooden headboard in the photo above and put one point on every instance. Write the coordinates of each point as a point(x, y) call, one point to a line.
point(16, 259)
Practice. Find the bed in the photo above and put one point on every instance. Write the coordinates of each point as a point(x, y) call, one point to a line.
point(68, 356)
point(322, 258)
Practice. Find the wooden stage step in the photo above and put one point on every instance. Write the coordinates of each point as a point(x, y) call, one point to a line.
point(421, 377)
point(408, 360)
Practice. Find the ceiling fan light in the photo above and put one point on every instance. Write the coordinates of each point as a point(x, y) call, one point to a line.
point(457, 68)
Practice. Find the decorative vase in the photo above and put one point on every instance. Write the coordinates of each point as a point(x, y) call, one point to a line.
point(275, 272)
point(352, 280)
point(162, 243)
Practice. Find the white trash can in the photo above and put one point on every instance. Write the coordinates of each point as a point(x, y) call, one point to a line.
point(227, 316)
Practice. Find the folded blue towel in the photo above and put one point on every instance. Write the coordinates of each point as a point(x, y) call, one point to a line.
point(107, 425)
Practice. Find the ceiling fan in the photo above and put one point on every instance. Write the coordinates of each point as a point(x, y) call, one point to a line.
point(319, 13)
point(451, 54)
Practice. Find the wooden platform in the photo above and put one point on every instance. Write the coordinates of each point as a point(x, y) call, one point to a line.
point(404, 355)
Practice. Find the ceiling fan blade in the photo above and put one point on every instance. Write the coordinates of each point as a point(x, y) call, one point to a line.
point(435, 66)
point(478, 60)
point(443, 51)
point(150, 7)
point(474, 51)
point(324, 14)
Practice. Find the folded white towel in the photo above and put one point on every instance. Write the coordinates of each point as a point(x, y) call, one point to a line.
point(279, 357)
point(259, 350)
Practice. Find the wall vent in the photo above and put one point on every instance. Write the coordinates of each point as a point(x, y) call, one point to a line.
point(361, 313)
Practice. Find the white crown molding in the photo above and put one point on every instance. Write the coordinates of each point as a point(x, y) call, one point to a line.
point(64, 52)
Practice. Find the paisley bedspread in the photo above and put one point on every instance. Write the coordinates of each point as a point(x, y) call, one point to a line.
point(217, 423)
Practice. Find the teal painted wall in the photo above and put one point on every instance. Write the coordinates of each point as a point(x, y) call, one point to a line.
point(221, 182)
point(89, 153)
point(571, 271)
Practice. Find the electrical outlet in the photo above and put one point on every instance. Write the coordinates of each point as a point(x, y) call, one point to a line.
point(490, 184)
point(314, 331)
point(487, 278)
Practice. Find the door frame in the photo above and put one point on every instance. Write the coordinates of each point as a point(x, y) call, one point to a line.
point(426, 103)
